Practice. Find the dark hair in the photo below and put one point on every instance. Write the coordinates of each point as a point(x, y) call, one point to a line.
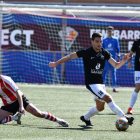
point(110, 27)
point(96, 34)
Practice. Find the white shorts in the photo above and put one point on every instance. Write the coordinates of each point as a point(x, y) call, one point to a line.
point(98, 90)
point(137, 77)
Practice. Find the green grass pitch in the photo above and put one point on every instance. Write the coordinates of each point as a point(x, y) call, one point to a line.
point(69, 103)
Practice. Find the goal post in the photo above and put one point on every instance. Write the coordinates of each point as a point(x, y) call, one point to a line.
point(34, 35)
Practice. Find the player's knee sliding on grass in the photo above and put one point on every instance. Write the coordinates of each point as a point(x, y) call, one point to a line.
point(11, 118)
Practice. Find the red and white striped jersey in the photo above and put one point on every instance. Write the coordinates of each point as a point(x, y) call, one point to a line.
point(8, 90)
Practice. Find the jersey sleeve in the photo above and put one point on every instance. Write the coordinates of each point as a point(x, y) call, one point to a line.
point(81, 53)
point(107, 55)
point(10, 84)
point(133, 49)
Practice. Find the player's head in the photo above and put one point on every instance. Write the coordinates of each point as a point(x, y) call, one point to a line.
point(97, 41)
point(96, 34)
point(110, 31)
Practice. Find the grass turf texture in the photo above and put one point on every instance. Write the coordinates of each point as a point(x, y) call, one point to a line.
point(69, 103)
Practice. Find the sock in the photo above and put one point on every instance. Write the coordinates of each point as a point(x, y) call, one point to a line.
point(116, 109)
point(93, 111)
point(114, 87)
point(50, 117)
point(8, 119)
point(133, 99)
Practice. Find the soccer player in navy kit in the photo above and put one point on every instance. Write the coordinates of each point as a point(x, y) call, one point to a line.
point(111, 44)
point(135, 49)
point(94, 62)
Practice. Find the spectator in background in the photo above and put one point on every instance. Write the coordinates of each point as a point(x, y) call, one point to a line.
point(111, 44)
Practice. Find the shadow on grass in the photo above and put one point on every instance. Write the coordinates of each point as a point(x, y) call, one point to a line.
point(115, 114)
point(106, 114)
point(81, 128)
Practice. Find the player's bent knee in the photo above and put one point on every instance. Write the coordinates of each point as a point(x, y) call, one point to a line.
point(107, 98)
point(100, 108)
point(137, 90)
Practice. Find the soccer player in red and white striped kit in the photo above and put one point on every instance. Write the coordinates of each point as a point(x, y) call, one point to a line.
point(14, 101)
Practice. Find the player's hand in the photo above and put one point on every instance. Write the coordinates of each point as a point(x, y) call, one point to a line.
point(129, 65)
point(52, 64)
point(22, 110)
point(126, 57)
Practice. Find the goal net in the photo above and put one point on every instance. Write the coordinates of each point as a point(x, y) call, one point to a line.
point(32, 37)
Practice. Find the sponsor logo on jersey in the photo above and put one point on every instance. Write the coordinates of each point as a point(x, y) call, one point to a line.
point(92, 57)
point(96, 71)
point(109, 45)
point(137, 79)
point(102, 57)
point(98, 66)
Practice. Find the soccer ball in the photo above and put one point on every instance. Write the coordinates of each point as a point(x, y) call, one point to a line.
point(122, 124)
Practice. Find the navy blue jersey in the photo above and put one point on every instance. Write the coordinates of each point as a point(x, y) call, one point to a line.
point(136, 48)
point(94, 63)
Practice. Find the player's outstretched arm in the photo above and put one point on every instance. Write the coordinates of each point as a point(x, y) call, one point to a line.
point(19, 97)
point(117, 65)
point(129, 61)
point(63, 59)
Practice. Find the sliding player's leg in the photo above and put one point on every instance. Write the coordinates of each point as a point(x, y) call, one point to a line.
point(3, 115)
point(6, 111)
point(6, 117)
point(46, 115)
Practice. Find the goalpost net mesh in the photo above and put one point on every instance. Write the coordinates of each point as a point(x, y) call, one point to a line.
point(32, 37)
